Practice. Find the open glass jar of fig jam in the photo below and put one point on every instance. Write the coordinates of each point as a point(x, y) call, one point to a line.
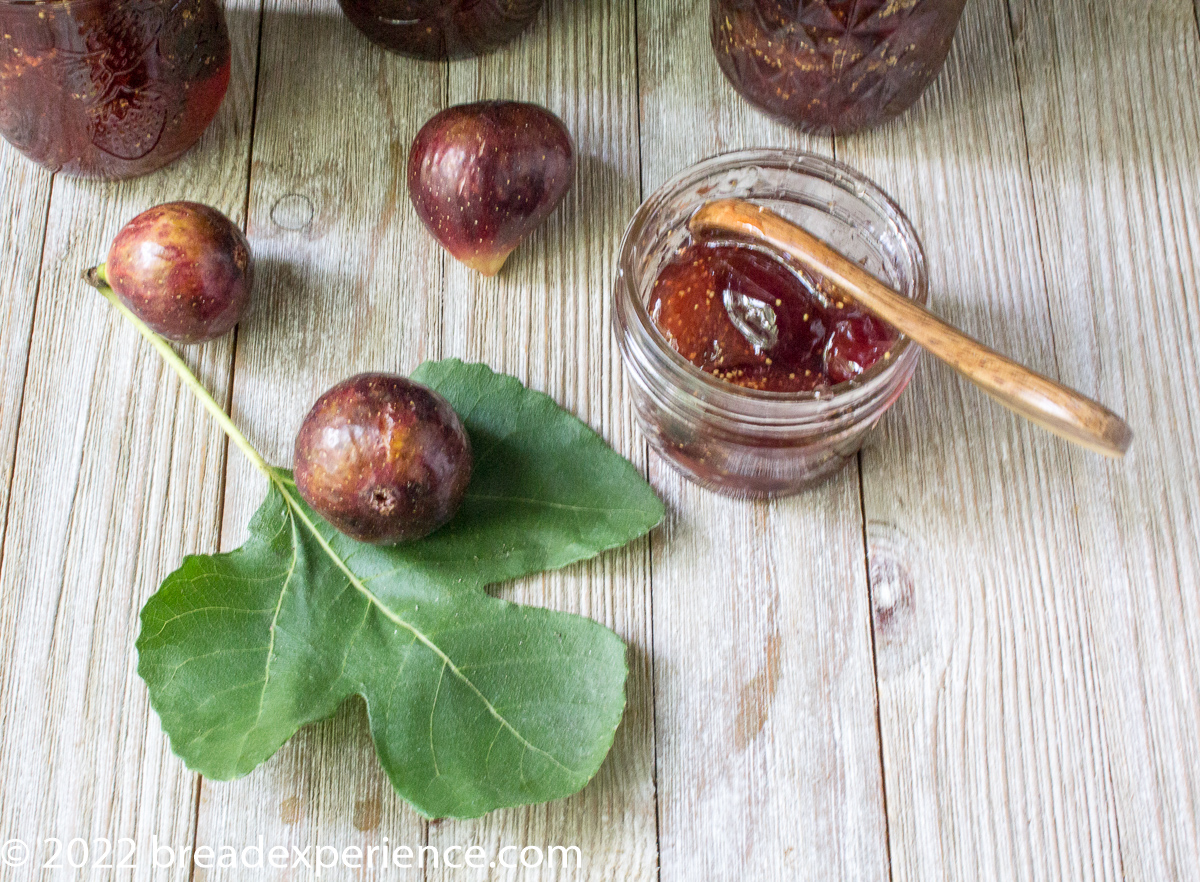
point(833, 65)
point(752, 442)
point(439, 29)
point(110, 88)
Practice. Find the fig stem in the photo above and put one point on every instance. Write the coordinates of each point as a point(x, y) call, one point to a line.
point(96, 278)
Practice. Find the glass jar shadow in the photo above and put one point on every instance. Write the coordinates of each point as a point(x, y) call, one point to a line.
point(738, 441)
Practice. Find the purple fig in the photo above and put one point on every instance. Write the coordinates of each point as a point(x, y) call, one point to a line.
point(383, 459)
point(184, 269)
point(484, 176)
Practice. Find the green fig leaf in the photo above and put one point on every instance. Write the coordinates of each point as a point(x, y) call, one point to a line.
point(475, 704)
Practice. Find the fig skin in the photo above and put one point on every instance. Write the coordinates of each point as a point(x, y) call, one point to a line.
point(383, 459)
point(484, 176)
point(184, 269)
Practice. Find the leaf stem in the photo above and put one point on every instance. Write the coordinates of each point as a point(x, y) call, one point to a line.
point(96, 278)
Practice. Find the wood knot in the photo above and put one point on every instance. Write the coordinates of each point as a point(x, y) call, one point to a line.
point(895, 609)
point(913, 627)
point(893, 602)
point(292, 212)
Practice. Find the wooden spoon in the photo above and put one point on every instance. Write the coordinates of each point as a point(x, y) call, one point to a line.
point(1053, 406)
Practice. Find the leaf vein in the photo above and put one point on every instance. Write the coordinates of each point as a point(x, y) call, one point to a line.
point(420, 636)
point(262, 696)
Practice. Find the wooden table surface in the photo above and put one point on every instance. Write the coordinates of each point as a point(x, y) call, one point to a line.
point(973, 656)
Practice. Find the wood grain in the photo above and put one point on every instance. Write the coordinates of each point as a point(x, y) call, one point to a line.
point(997, 759)
point(26, 189)
point(768, 748)
point(347, 282)
point(546, 320)
point(117, 474)
point(1110, 102)
point(1001, 683)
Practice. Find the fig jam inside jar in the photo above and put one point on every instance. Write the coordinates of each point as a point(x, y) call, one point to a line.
point(436, 30)
point(754, 319)
point(110, 88)
point(833, 65)
point(742, 426)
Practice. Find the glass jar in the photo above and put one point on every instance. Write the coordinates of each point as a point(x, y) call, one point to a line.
point(833, 65)
point(110, 88)
point(439, 29)
point(738, 441)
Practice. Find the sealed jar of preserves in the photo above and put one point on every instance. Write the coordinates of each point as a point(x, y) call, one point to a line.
point(439, 29)
point(748, 377)
point(833, 65)
point(110, 88)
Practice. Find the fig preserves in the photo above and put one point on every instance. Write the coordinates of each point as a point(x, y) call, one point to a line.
point(833, 65)
point(748, 375)
point(746, 317)
point(439, 29)
point(110, 88)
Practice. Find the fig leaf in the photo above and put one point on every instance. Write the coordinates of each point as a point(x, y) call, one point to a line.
point(475, 704)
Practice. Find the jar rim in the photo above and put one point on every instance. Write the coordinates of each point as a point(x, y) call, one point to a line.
point(801, 162)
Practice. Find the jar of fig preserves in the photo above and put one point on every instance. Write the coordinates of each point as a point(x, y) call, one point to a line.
point(110, 88)
point(745, 442)
point(439, 29)
point(833, 66)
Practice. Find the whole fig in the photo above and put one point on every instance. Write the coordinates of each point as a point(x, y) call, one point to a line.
point(184, 269)
point(383, 459)
point(483, 176)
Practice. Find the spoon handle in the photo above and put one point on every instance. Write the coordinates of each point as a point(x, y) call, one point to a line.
point(1049, 404)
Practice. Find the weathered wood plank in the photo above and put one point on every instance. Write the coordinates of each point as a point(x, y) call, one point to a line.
point(117, 474)
point(1110, 102)
point(348, 281)
point(768, 748)
point(1035, 610)
point(26, 189)
point(996, 759)
point(546, 320)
